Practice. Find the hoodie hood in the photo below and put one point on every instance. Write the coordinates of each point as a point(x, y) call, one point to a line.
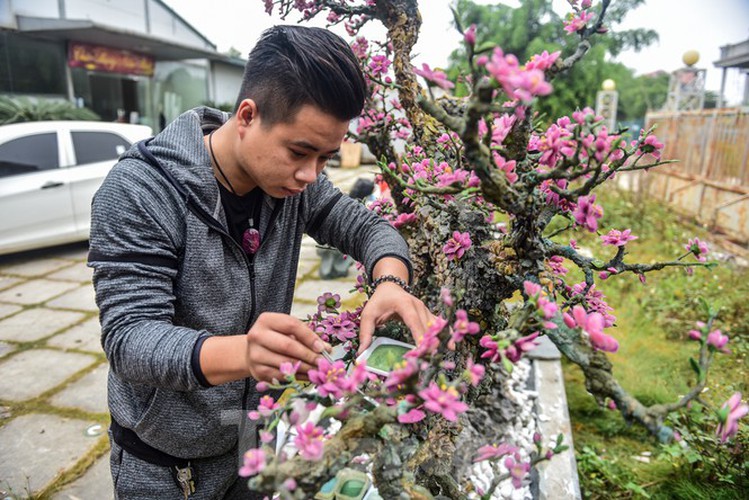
point(180, 150)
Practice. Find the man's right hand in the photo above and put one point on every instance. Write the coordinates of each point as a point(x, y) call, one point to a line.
point(272, 340)
point(276, 338)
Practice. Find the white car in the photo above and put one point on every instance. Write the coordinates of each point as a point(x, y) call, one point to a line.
point(49, 172)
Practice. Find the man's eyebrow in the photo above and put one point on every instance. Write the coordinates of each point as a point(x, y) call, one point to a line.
point(311, 147)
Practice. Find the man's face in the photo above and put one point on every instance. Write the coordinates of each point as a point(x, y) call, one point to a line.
point(284, 158)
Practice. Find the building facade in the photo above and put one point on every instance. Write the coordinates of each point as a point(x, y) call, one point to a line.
point(135, 61)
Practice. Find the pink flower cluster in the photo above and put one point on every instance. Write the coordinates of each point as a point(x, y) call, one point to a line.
point(698, 248)
point(309, 441)
point(577, 22)
point(618, 238)
point(456, 246)
point(434, 76)
point(587, 213)
point(729, 415)
point(595, 301)
point(254, 461)
point(463, 326)
point(443, 400)
point(332, 378)
point(592, 325)
point(518, 82)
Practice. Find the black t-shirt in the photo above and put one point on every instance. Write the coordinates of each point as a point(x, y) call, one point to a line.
point(241, 210)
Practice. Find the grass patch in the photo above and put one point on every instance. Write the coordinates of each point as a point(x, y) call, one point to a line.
point(652, 364)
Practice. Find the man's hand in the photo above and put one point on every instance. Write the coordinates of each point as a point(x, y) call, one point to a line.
point(272, 340)
point(276, 338)
point(389, 300)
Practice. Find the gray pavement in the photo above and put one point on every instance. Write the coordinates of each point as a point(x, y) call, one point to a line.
point(53, 411)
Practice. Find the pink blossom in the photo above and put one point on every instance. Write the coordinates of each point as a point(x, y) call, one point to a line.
point(339, 326)
point(379, 65)
point(266, 406)
point(618, 238)
point(587, 213)
point(428, 342)
point(508, 167)
point(695, 335)
point(470, 35)
point(651, 145)
point(542, 61)
point(474, 372)
point(462, 326)
point(266, 437)
point(575, 23)
point(404, 219)
point(309, 441)
point(401, 373)
point(717, 340)
point(444, 400)
point(457, 245)
point(517, 469)
point(531, 289)
point(289, 369)
point(729, 415)
point(290, 484)
point(437, 77)
point(556, 265)
point(330, 378)
point(412, 416)
point(698, 248)
point(592, 325)
point(585, 4)
point(261, 386)
point(445, 297)
point(328, 302)
point(254, 462)
point(522, 345)
point(490, 451)
point(492, 348)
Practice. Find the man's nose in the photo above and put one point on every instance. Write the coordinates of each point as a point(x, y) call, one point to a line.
point(307, 173)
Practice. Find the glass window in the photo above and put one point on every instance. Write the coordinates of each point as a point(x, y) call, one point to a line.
point(29, 66)
point(29, 154)
point(91, 147)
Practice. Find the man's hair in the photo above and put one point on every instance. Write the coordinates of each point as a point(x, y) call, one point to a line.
point(291, 66)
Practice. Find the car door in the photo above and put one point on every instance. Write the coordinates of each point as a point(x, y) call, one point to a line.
point(96, 152)
point(35, 200)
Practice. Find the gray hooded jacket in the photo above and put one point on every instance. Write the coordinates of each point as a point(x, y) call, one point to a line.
point(167, 272)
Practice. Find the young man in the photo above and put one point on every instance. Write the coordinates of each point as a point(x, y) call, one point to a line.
point(195, 240)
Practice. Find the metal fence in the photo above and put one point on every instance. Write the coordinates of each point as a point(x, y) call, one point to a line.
point(711, 179)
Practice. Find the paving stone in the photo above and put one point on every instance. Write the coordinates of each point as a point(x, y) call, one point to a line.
point(35, 291)
point(311, 289)
point(30, 373)
point(309, 252)
point(37, 447)
point(8, 309)
point(306, 266)
point(84, 336)
point(79, 272)
point(89, 393)
point(6, 348)
point(33, 324)
point(35, 267)
point(96, 483)
point(545, 350)
point(8, 281)
point(301, 310)
point(82, 298)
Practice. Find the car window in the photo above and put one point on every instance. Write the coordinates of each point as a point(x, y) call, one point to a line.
point(91, 147)
point(28, 154)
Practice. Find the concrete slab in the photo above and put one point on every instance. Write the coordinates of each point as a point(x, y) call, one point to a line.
point(28, 374)
point(35, 291)
point(301, 310)
point(89, 393)
point(311, 289)
point(82, 299)
point(6, 348)
point(37, 447)
point(84, 336)
point(557, 478)
point(79, 272)
point(8, 309)
point(35, 267)
point(96, 483)
point(545, 350)
point(34, 324)
point(8, 281)
point(306, 266)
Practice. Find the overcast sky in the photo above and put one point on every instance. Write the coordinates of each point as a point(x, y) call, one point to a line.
point(703, 25)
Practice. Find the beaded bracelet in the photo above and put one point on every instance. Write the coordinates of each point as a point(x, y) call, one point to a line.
point(392, 279)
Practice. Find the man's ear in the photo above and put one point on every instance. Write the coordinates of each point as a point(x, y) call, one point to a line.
point(247, 112)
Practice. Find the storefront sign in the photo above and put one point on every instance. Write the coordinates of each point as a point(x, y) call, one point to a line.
point(99, 58)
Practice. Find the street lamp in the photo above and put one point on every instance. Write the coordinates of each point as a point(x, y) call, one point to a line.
point(686, 88)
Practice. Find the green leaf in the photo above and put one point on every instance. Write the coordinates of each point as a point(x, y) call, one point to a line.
point(697, 369)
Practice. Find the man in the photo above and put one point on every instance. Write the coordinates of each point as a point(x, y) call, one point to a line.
point(195, 240)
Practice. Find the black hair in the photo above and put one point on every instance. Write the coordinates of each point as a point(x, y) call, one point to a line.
point(291, 66)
